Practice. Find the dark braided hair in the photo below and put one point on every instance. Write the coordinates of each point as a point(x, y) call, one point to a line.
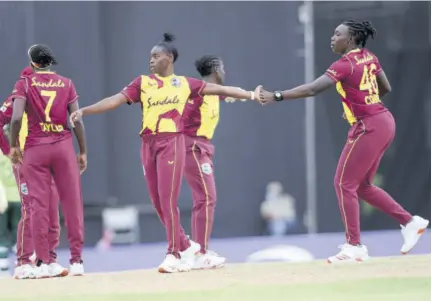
point(168, 46)
point(42, 55)
point(361, 31)
point(207, 64)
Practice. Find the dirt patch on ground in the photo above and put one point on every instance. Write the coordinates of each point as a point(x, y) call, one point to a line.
point(146, 281)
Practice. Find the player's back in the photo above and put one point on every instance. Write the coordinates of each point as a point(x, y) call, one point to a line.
point(359, 90)
point(48, 96)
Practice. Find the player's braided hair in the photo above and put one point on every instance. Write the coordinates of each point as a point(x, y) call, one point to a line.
point(361, 31)
point(207, 64)
point(168, 45)
point(42, 55)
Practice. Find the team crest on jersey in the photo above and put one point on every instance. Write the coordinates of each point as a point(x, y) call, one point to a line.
point(206, 168)
point(24, 189)
point(176, 82)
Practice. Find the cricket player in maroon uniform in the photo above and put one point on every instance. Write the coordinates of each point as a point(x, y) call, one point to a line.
point(46, 98)
point(199, 128)
point(361, 82)
point(25, 247)
point(163, 97)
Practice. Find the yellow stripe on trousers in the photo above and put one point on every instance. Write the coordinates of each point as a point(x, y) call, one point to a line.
point(206, 196)
point(340, 186)
point(171, 195)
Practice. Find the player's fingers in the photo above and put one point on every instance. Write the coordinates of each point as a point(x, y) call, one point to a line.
point(72, 121)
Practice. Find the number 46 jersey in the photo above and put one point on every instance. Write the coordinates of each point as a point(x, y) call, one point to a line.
point(355, 76)
point(47, 97)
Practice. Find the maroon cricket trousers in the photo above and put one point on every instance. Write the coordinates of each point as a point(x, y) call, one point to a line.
point(25, 246)
point(42, 163)
point(163, 160)
point(200, 177)
point(368, 139)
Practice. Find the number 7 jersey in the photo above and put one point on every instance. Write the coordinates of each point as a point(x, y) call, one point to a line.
point(355, 76)
point(47, 97)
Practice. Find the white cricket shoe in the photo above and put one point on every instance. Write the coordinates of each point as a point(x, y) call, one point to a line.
point(172, 264)
point(209, 260)
point(412, 232)
point(57, 270)
point(188, 256)
point(76, 269)
point(42, 271)
point(350, 253)
point(25, 271)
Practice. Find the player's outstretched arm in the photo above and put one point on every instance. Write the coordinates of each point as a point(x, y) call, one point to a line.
point(235, 92)
point(106, 104)
point(307, 90)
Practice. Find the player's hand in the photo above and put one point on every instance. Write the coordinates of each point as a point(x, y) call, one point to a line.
point(257, 93)
point(82, 162)
point(75, 116)
point(15, 155)
point(265, 97)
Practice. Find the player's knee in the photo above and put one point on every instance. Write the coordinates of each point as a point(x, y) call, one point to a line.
point(345, 186)
point(337, 183)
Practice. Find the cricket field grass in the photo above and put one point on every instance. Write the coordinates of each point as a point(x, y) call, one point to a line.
point(379, 279)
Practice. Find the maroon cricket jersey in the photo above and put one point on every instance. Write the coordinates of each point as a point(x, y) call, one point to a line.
point(201, 116)
point(47, 96)
point(355, 76)
point(5, 118)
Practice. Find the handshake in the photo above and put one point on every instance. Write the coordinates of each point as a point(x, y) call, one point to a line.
point(260, 94)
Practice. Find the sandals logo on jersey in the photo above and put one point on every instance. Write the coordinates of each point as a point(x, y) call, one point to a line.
point(206, 168)
point(24, 189)
point(176, 82)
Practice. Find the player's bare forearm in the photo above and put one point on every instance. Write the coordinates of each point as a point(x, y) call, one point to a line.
point(383, 84)
point(234, 92)
point(15, 129)
point(307, 90)
point(18, 112)
point(80, 135)
point(106, 104)
point(78, 128)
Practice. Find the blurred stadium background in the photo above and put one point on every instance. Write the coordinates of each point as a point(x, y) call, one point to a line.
point(102, 46)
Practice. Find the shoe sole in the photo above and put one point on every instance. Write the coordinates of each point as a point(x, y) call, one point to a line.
point(419, 233)
point(64, 273)
point(348, 261)
point(218, 266)
point(162, 270)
